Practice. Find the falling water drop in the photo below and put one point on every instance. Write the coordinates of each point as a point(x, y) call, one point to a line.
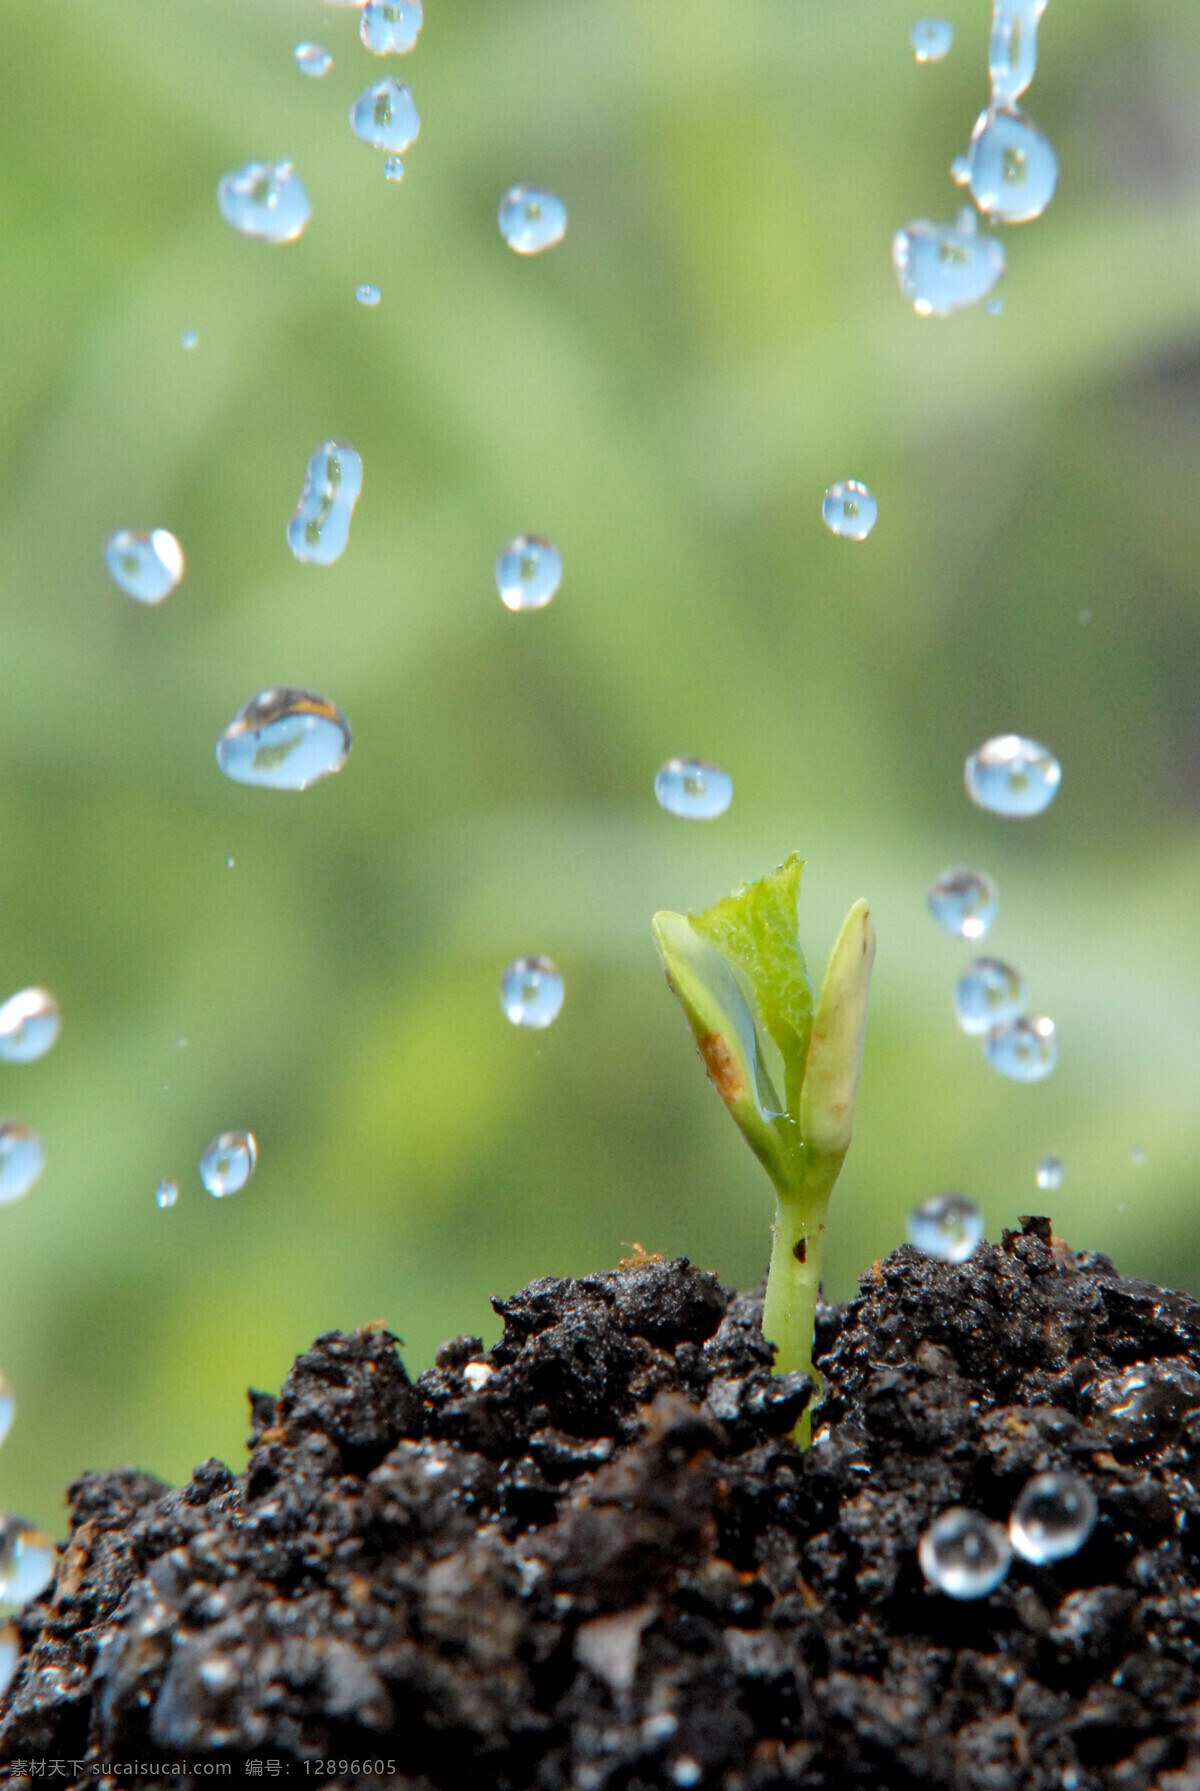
point(963, 1554)
point(189, 339)
point(312, 59)
point(319, 527)
point(849, 510)
point(393, 168)
point(284, 739)
point(964, 902)
point(10, 1654)
point(29, 1025)
point(266, 200)
point(1049, 1173)
point(931, 38)
point(367, 295)
point(166, 1193)
point(26, 1560)
point(1053, 1518)
point(994, 307)
point(531, 992)
point(949, 1227)
point(228, 1163)
point(147, 564)
point(390, 27)
point(532, 219)
point(1010, 775)
point(1137, 1156)
point(1012, 49)
point(944, 267)
point(22, 1160)
point(987, 994)
point(385, 117)
point(8, 1409)
point(692, 789)
point(528, 572)
point(1011, 166)
point(1024, 1050)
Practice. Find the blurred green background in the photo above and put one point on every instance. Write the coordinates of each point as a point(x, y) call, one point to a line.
point(666, 395)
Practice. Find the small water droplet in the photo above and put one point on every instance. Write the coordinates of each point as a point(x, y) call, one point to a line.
point(849, 510)
point(685, 1771)
point(1025, 1050)
point(22, 1160)
point(963, 1554)
point(931, 38)
point(147, 564)
point(692, 789)
point(1053, 1517)
point(1010, 775)
point(949, 1227)
point(960, 170)
point(1049, 1173)
point(26, 1560)
point(29, 1025)
point(528, 572)
point(312, 59)
point(994, 307)
point(390, 27)
point(531, 992)
point(532, 219)
point(10, 1654)
point(319, 526)
point(1137, 1156)
point(987, 994)
point(189, 338)
point(385, 117)
point(166, 1193)
point(942, 268)
point(229, 864)
point(367, 295)
point(284, 739)
point(1012, 48)
point(964, 902)
point(393, 168)
point(8, 1409)
point(266, 200)
point(228, 1163)
point(1011, 168)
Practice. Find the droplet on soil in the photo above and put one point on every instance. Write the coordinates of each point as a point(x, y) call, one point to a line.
point(1053, 1517)
point(949, 1227)
point(531, 992)
point(963, 1554)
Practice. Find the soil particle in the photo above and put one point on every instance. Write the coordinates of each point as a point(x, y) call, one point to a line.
point(590, 1559)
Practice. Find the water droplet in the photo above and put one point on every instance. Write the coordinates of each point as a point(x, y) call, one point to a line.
point(367, 295)
point(531, 219)
point(146, 564)
point(849, 510)
point(994, 307)
point(964, 902)
point(319, 527)
point(266, 200)
point(963, 1554)
point(1049, 1173)
point(960, 170)
point(1137, 1156)
point(1012, 50)
point(692, 789)
point(1010, 775)
point(26, 1560)
point(22, 1160)
point(390, 27)
point(1144, 1399)
point(478, 1374)
point(393, 168)
point(189, 338)
point(384, 116)
point(284, 739)
point(1011, 166)
point(531, 992)
point(312, 59)
point(949, 1227)
point(528, 572)
point(8, 1409)
point(685, 1771)
point(29, 1025)
point(987, 994)
point(931, 38)
point(166, 1193)
point(1053, 1517)
point(942, 268)
point(1024, 1050)
point(228, 1163)
point(10, 1655)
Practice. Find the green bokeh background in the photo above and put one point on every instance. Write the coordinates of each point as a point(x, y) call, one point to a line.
point(666, 395)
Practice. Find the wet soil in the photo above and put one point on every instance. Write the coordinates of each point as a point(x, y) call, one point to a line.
point(591, 1557)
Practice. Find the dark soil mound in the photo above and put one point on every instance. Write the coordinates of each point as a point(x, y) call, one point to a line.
point(592, 1559)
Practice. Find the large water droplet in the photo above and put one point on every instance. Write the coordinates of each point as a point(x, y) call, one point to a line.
point(393, 168)
point(963, 1554)
point(390, 27)
point(1025, 1050)
point(931, 38)
point(1011, 166)
point(528, 572)
point(367, 295)
point(1010, 775)
point(10, 1655)
point(266, 200)
point(312, 59)
point(22, 1160)
point(987, 994)
point(319, 527)
point(8, 1409)
point(29, 1025)
point(532, 219)
point(964, 902)
point(166, 1193)
point(228, 1163)
point(692, 789)
point(385, 117)
point(949, 1227)
point(942, 268)
point(147, 564)
point(531, 992)
point(1053, 1517)
point(285, 739)
point(26, 1560)
point(850, 509)
point(1049, 1173)
point(1012, 50)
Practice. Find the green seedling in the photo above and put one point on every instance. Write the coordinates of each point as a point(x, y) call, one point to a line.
point(788, 1072)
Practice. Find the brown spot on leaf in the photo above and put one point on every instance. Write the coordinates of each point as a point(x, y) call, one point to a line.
point(718, 1061)
point(800, 1249)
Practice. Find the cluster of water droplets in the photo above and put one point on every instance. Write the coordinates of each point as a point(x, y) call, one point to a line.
point(966, 1555)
